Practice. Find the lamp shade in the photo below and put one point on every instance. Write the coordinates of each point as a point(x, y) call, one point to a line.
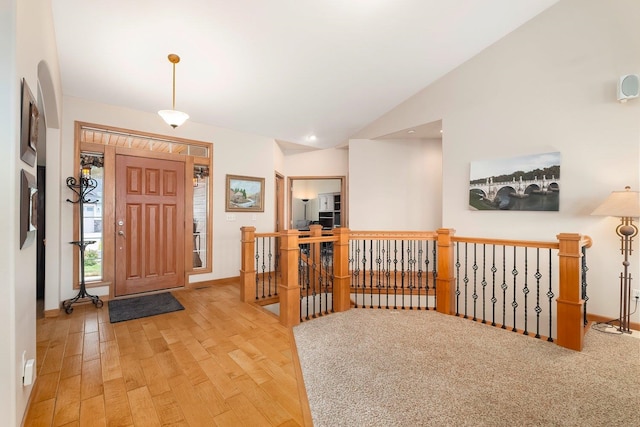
point(174, 118)
point(623, 204)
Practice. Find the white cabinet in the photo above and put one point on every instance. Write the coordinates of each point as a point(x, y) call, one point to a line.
point(325, 202)
point(329, 210)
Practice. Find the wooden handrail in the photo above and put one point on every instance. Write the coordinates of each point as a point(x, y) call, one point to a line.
point(506, 242)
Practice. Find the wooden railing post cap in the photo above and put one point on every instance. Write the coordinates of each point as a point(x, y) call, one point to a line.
point(446, 231)
point(569, 236)
point(246, 228)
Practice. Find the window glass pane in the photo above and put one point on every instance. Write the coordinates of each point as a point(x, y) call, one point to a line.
point(92, 223)
point(200, 197)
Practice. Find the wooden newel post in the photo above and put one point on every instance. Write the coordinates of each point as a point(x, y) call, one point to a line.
point(289, 289)
point(248, 267)
point(445, 278)
point(570, 304)
point(341, 278)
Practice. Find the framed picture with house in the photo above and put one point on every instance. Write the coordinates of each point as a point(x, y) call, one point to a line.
point(244, 194)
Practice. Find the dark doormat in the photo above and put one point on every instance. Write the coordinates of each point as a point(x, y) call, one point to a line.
point(145, 306)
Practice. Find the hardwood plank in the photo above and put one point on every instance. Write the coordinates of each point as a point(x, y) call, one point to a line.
point(46, 387)
point(273, 411)
point(188, 363)
point(110, 361)
point(91, 383)
point(40, 414)
point(247, 413)
point(219, 378)
point(193, 407)
point(168, 410)
point(252, 369)
point(142, 408)
point(92, 412)
point(106, 332)
point(132, 372)
point(212, 398)
point(116, 402)
point(67, 402)
point(74, 344)
point(71, 366)
point(156, 382)
point(91, 346)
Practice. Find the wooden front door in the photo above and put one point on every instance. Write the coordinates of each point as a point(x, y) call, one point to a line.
point(149, 225)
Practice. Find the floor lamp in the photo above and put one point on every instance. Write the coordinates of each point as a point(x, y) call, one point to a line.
point(305, 201)
point(626, 206)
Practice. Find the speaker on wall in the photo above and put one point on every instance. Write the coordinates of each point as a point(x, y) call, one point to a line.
point(628, 87)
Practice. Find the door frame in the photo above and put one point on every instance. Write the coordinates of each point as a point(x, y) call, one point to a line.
point(343, 197)
point(109, 227)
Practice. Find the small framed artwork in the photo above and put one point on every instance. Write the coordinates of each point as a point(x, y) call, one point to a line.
point(244, 194)
point(28, 208)
point(28, 126)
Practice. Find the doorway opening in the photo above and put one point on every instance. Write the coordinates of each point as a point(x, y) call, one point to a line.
point(317, 200)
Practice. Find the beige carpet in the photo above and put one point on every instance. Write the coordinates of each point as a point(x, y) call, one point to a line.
point(415, 368)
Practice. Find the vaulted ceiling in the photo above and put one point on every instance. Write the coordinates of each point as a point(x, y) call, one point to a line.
point(285, 69)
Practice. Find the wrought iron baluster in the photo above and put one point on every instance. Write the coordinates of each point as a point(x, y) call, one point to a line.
point(270, 254)
point(364, 273)
point(420, 275)
point(457, 278)
point(380, 268)
point(525, 290)
point(435, 273)
point(264, 267)
point(504, 287)
point(402, 273)
point(475, 273)
point(484, 283)
point(388, 272)
point(371, 274)
point(466, 278)
point(395, 274)
point(494, 300)
point(550, 295)
point(514, 303)
point(356, 271)
point(257, 258)
point(538, 309)
point(585, 268)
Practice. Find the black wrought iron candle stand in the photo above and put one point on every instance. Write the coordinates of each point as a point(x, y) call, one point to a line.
point(81, 186)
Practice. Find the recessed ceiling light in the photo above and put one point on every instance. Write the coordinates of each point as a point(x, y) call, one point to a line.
point(312, 138)
point(440, 130)
point(411, 131)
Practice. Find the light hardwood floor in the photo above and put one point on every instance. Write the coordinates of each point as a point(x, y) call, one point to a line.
point(219, 362)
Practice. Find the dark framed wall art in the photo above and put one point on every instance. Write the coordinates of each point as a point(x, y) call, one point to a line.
point(28, 208)
point(28, 126)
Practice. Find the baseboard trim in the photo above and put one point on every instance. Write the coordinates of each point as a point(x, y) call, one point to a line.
point(603, 319)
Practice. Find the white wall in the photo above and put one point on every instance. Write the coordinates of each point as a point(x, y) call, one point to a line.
point(9, 100)
point(234, 153)
point(548, 86)
point(395, 184)
point(26, 40)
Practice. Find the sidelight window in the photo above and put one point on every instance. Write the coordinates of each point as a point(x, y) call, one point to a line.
point(92, 214)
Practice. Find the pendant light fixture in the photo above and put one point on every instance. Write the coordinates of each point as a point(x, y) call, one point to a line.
point(173, 117)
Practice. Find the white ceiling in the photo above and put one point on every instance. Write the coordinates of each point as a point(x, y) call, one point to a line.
point(278, 68)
